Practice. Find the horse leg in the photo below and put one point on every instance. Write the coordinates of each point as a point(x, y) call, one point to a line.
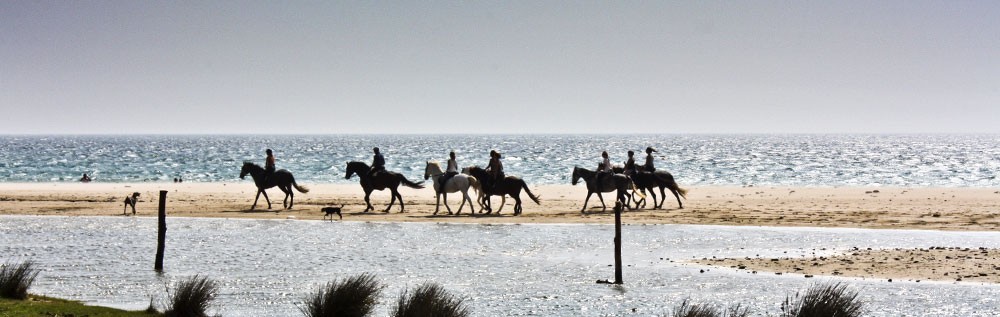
point(445, 194)
point(584, 209)
point(517, 205)
point(255, 199)
point(678, 196)
point(465, 197)
point(401, 206)
point(437, 205)
point(368, 202)
point(268, 200)
point(288, 193)
point(503, 201)
point(392, 194)
point(604, 207)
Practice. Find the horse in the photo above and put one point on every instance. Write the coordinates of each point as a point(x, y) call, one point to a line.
point(610, 183)
point(281, 178)
point(459, 182)
point(478, 186)
point(662, 179)
point(510, 185)
point(380, 181)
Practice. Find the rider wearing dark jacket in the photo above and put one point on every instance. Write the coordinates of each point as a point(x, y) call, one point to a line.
point(378, 162)
point(268, 164)
point(495, 168)
point(649, 160)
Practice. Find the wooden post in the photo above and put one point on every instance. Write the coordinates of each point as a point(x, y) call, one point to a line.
point(618, 246)
point(161, 232)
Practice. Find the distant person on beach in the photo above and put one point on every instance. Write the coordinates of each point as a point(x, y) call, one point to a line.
point(85, 178)
point(630, 164)
point(378, 163)
point(452, 170)
point(649, 160)
point(268, 164)
point(604, 168)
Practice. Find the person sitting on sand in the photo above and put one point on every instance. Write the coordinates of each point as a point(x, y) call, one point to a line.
point(452, 170)
point(378, 163)
point(85, 178)
point(268, 164)
point(648, 167)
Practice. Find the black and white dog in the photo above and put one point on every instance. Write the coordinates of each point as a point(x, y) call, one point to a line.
point(332, 210)
point(130, 201)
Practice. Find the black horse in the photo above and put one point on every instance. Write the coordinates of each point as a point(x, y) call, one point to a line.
point(381, 180)
point(658, 179)
point(281, 178)
point(615, 182)
point(510, 185)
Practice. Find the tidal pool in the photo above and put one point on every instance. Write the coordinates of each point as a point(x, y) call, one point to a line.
point(268, 267)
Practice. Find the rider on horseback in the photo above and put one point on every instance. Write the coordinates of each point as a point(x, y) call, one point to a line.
point(630, 165)
point(495, 168)
point(378, 163)
point(604, 168)
point(268, 165)
point(452, 170)
point(648, 167)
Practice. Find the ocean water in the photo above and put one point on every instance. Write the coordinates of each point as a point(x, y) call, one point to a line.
point(268, 267)
point(734, 160)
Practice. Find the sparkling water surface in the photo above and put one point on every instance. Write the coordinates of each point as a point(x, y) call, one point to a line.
point(267, 267)
point(734, 160)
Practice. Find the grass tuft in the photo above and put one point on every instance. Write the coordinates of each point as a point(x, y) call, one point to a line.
point(354, 296)
point(192, 297)
point(430, 300)
point(16, 279)
point(686, 309)
point(824, 300)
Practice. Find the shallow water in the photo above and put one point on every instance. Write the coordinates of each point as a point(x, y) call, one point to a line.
point(267, 267)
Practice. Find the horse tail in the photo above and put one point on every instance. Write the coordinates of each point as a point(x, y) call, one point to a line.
point(474, 183)
point(536, 199)
point(669, 180)
point(408, 183)
point(301, 188)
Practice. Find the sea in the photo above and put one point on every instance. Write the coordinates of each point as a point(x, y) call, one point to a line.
point(822, 160)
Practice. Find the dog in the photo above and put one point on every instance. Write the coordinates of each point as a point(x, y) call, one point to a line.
point(130, 201)
point(332, 210)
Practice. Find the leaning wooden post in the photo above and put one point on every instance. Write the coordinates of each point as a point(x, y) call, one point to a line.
point(618, 246)
point(161, 233)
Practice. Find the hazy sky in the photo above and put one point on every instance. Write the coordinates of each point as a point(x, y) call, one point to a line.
point(499, 67)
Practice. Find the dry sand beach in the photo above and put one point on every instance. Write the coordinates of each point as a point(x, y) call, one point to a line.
point(898, 208)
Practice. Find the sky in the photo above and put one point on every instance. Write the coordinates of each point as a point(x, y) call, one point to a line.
point(334, 67)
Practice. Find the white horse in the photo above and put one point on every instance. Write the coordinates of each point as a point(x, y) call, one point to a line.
point(459, 182)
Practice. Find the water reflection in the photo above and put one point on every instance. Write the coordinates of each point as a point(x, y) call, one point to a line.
point(266, 267)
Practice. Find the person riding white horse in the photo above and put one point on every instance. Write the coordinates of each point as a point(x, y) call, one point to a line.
point(456, 183)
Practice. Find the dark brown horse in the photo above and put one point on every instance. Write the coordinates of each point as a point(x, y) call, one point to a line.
point(615, 182)
point(380, 181)
point(510, 185)
point(281, 178)
point(657, 179)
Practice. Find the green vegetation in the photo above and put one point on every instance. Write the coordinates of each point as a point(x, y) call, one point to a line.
point(40, 306)
point(354, 296)
point(825, 300)
point(430, 300)
point(192, 297)
point(16, 279)
point(686, 309)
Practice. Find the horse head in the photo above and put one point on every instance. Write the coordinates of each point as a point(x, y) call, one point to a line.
point(355, 167)
point(576, 175)
point(433, 168)
point(247, 167)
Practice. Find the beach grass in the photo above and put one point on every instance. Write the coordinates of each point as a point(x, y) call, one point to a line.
point(39, 306)
point(15, 279)
point(824, 300)
point(354, 296)
point(192, 297)
point(687, 309)
point(430, 299)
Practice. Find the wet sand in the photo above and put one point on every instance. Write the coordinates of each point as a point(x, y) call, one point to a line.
point(972, 209)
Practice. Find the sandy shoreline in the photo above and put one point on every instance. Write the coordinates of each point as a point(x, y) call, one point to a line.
point(974, 209)
point(961, 209)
